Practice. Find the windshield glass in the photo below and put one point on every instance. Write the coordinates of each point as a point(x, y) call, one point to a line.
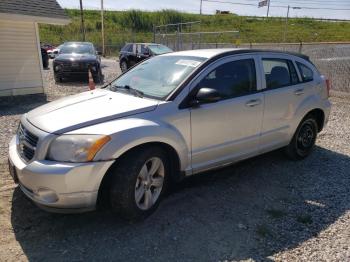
point(159, 49)
point(159, 76)
point(77, 49)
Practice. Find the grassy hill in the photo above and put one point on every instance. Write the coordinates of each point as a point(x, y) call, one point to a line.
point(134, 25)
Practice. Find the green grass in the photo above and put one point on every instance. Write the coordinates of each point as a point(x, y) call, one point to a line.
point(137, 26)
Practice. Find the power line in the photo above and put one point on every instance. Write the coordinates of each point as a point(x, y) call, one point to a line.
point(283, 6)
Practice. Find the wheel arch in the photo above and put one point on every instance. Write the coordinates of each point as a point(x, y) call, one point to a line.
point(172, 155)
point(319, 116)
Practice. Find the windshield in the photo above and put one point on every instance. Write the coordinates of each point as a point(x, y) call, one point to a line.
point(77, 49)
point(159, 76)
point(159, 49)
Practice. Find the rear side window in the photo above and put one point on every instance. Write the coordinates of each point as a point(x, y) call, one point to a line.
point(279, 73)
point(306, 73)
point(232, 79)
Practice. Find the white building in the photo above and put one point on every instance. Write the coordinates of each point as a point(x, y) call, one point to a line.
point(20, 55)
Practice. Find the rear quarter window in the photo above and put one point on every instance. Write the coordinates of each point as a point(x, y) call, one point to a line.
point(306, 73)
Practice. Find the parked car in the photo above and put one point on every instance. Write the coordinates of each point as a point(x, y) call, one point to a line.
point(54, 52)
point(134, 53)
point(171, 116)
point(44, 58)
point(47, 47)
point(75, 58)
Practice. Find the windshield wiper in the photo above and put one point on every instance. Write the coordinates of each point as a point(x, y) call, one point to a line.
point(129, 89)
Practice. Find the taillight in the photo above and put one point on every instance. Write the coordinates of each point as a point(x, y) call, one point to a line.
point(328, 84)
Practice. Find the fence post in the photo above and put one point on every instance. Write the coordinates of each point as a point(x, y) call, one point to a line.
point(154, 33)
point(200, 40)
point(300, 47)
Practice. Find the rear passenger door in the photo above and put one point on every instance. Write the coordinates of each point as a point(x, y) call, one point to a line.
point(283, 93)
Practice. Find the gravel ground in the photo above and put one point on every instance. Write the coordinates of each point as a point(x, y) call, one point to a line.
point(264, 209)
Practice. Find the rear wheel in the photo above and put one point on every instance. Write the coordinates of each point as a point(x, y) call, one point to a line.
point(304, 139)
point(138, 183)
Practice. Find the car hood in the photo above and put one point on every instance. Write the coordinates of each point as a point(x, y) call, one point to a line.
point(75, 57)
point(86, 109)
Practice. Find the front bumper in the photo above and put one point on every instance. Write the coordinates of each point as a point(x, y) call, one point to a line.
point(59, 187)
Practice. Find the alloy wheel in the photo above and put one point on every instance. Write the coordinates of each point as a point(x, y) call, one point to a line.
point(149, 183)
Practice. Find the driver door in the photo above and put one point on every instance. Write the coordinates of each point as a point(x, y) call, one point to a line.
point(229, 129)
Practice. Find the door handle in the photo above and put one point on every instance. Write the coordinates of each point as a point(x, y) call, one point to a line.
point(253, 102)
point(299, 92)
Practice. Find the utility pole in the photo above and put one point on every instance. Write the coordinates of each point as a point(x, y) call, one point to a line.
point(200, 8)
point(82, 26)
point(268, 8)
point(102, 30)
point(286, 26)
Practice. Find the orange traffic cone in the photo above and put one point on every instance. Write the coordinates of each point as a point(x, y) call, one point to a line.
point(91, 80)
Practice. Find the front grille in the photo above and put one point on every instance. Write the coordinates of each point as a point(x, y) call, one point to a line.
point(74, 66)
point(27, 143)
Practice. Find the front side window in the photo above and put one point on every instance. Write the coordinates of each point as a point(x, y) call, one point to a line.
point(159, 76)
point(306, 73)
point(279, 73)
point(232, 79)
point(127, 48)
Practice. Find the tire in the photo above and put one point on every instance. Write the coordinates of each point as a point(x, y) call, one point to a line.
point(98, 78)
point(58, 79)
point(123, 66)
point(303, 140)
point(135, 193)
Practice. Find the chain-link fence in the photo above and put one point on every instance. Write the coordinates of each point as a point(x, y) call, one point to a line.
point(332, 59)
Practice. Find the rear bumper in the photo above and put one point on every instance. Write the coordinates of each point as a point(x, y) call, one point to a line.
point(59, 187)
point(327, 110)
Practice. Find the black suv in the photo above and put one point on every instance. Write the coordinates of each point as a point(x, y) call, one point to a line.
point(75, 58)
point(133, 53)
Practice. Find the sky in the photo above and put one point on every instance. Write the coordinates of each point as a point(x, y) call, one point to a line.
point(241, 7)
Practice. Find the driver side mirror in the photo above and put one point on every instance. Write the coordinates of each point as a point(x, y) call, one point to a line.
point(98, 52)
point(206, 95)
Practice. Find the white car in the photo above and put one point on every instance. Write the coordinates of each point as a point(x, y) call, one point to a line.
point(171, 116)
point(54, 52)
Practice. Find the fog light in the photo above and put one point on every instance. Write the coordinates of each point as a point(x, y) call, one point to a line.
point(47, 195)
point(93, 68)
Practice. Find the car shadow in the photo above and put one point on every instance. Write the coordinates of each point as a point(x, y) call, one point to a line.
point(250, 210)
point(13, 105)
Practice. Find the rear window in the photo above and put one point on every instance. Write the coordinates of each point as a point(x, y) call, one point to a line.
point(306, 73)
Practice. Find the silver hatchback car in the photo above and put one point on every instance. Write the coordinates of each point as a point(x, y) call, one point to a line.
point(171, 116)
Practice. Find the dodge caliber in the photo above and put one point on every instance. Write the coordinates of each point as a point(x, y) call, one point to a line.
point(171, 116)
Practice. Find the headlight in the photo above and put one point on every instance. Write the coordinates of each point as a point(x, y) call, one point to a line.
point(76, 148)
point(57, 67)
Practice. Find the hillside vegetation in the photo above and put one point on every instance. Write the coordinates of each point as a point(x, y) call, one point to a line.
point(134, 25)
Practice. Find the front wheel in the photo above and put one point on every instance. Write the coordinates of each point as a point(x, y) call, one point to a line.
point(138, 183)
point(304, 139)
point(98, 78)
point(123, 66)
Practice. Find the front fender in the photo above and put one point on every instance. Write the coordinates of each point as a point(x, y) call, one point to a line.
point(132, 132)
